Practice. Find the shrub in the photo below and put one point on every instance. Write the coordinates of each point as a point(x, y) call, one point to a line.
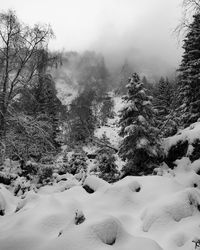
point(77, 163)
point(45, 174)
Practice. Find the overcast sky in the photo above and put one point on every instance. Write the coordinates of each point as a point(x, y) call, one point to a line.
point(109, 26)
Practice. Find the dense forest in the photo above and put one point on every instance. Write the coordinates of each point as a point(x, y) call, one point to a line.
point(68, 122)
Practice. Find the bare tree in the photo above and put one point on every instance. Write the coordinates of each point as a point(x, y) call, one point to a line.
point(189, 8)
point(192, 4)
point(19, 48)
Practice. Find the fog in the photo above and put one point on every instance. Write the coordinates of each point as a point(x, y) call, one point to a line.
point(140, 31)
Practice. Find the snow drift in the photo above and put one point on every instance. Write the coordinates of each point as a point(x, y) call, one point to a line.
point(136, 213)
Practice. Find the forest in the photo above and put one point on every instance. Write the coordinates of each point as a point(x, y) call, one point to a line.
point(94, 158)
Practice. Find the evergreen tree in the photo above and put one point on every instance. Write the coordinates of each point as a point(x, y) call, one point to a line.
point(144, 80)
point(140, 145)
point(82, 120)
point(45, 93)
point(164, 96)
point(106, 168)
point(48, 105)
point(189, 77)
point(164, 103)
point(106, 110)
point(77, 163)
point(124, 75)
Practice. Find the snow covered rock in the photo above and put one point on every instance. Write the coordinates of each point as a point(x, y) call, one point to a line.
point(93, 183)
point(186, 143)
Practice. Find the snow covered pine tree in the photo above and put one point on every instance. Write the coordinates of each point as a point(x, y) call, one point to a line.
point(164, 102)
point(189, 78)
point(140, 145)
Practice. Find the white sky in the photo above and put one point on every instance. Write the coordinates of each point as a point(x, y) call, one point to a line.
point(106, 25)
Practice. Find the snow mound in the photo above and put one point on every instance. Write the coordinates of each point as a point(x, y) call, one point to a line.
point(7, 201)
point(94, 183)
point(196, 166)
point(178, 206)
point(135, 213)
point(108, 230)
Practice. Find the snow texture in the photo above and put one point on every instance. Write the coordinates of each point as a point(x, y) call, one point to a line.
point(135, 213)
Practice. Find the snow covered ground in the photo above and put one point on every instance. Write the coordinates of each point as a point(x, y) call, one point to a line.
point(66, 93)
point(136, 213)
point(111, 130)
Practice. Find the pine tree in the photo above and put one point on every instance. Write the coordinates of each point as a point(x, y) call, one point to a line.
point(189, 77)
point(124, 75)
point(144, 80)
point(77, 163)
point(140, 145)
point(48, 105)
point(164, 103)
point(106, 168)
point(106, 110)
point(82, 120)
point(163, 96)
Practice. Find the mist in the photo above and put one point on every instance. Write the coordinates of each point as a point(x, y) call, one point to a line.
point(140, 31)
point(146, 39)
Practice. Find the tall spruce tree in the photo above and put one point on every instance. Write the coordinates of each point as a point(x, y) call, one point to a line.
point(189, 77)
point(140, 144)
point(164, 96)
point(106, 110)
point(164, 103)
point(126, 71)
point(81, 118)
point(48, 105)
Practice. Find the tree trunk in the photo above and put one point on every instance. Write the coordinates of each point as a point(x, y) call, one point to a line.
point(2, 150)
point(2, 136)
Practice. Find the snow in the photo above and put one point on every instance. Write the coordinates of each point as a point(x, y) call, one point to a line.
point(142, 119)
point(94, 183)
point(111, 130)
point(66, 84)
point(135, 213)
point(85, 212)
point(190, 134)
point(196, 166)
point(7, 201)
point(175, 207)
point(65, 92)
point(142, 142)
point(130, 105)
